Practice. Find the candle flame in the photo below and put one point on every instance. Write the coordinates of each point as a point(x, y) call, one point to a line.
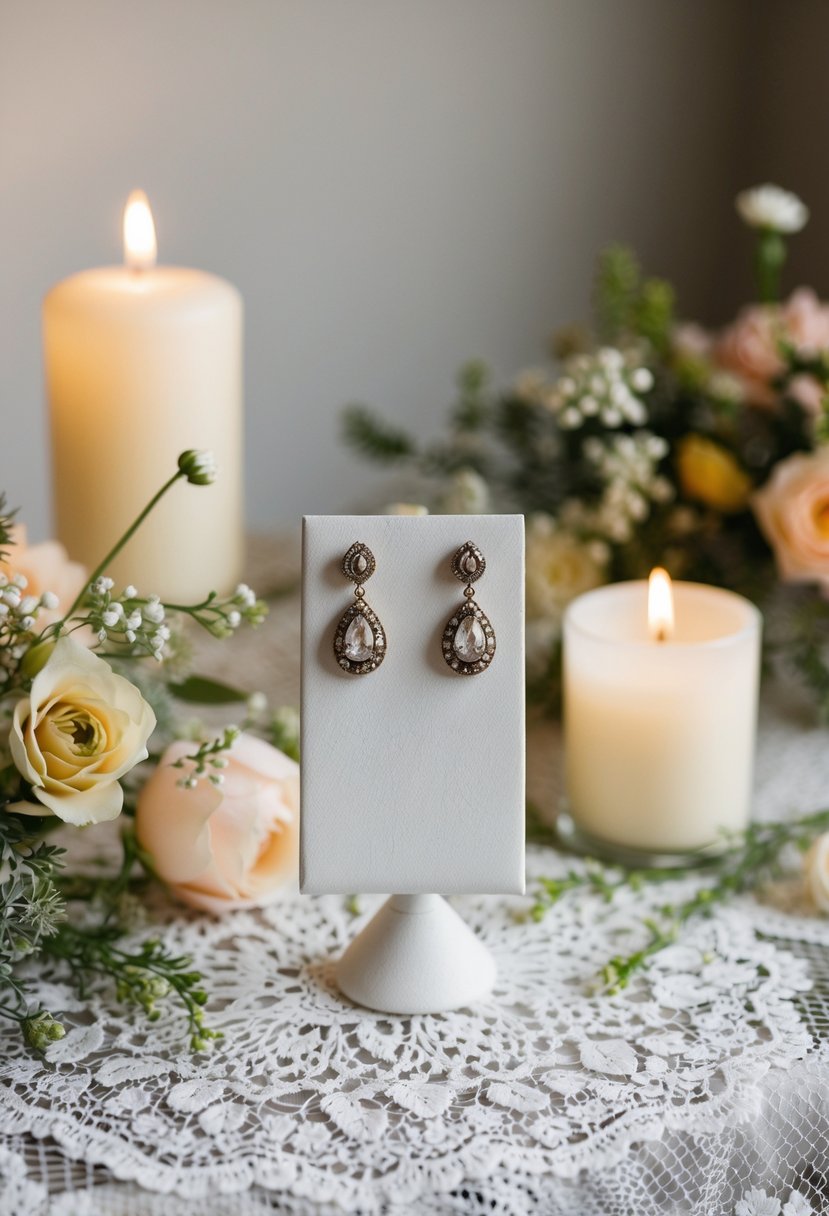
point(139, 233)
point(660, 605)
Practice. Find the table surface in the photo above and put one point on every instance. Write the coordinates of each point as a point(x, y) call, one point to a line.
point(703, 1088)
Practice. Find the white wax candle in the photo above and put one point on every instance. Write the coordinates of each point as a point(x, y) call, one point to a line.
point(660, 735)
point(143, 362)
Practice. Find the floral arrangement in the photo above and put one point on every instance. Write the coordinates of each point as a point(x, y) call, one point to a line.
point(87, 735)
point(656, 442)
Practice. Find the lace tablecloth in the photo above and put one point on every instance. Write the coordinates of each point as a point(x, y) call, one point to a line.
point(703, 1088)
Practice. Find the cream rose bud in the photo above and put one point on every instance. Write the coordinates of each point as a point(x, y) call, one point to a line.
point(772, 207)
point(230, 846)
point(792, 510)
point(80, 729)
point(816, 866)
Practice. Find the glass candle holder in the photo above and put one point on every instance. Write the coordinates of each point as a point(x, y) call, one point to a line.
point(659, 734)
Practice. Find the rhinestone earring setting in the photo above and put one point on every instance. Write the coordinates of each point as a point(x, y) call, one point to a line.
point(468, 640)
point(359, 639)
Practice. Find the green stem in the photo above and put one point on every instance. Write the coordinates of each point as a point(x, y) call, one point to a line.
point(771, 254)
point(118, 546)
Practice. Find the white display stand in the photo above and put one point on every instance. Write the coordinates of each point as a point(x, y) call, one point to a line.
point(413, 775)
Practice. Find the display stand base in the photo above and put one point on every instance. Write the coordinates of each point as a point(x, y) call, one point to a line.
point(416, 956)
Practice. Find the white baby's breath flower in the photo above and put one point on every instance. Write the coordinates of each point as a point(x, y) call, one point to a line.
point(153, 611)
point(49, 601)
point(110, 618)
point(130, 592)
point(772, 207)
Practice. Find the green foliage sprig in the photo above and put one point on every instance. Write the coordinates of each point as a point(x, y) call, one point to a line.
point(750, 859)
point(35, 892)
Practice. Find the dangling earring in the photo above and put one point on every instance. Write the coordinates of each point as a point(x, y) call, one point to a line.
point(360, 639)
point(468, 639)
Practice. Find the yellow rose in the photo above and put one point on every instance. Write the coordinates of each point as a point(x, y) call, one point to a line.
point(81, 728)
point(711, 475)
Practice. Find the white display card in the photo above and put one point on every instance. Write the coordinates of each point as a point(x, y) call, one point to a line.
point(412, 775)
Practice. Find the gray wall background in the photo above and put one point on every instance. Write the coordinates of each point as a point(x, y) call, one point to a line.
point(394, 185)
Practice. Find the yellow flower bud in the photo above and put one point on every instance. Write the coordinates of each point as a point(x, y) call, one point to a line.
point(711, 475)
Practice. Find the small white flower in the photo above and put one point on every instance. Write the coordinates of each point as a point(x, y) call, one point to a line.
point(234, 619)
point(27, 622)
point(642, 380)
point(130, 636)
point(12, 597)
point(772, 207)
point(133, 621)
point(49, 600)
point(257, 703)
point(198, 467)
point(798, 1205)
point(28, 604)
point(102, 635)
point(153, 610)
point(20, 581)
point(130, 592)
point(110, 618)
point(757, 1203)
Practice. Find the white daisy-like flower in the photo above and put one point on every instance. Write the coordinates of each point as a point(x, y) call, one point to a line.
point(797, 1205)
point(757, 1203)
point(772, 207)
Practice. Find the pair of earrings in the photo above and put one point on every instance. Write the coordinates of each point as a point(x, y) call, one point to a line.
point(467, 643)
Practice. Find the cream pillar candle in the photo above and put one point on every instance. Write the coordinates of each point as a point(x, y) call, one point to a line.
point(143, 362)
point(660, 717)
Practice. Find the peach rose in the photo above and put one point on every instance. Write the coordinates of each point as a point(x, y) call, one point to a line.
point(232, 846)
point(792, 510)
point(81, 728)
point(749, 350)
point(46, 567)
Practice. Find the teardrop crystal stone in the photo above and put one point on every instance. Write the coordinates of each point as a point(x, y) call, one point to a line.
point(358, 643)
point(469, 565)
point(470, 640)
